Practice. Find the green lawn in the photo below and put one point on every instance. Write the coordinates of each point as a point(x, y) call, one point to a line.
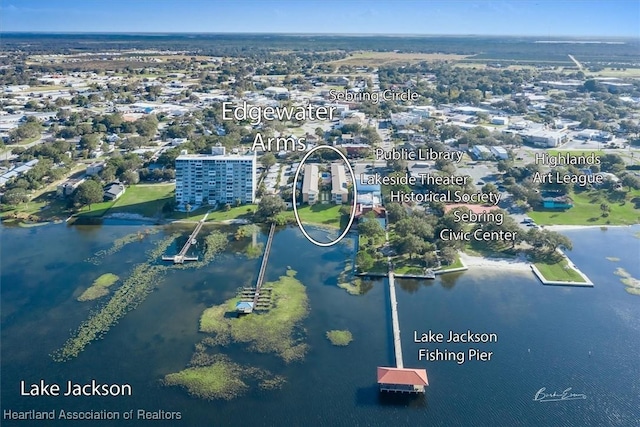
point(380, 264)
point(363, 242)
point(96, 210)
point(328, 214)
point(403, 265)
point(560, 271)
point(45, 207)
point(244, 211)
point(456, 264)
point(586, 210)
point(146, 200)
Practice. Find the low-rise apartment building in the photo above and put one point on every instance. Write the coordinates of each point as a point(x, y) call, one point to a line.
point(310, 191)
point(339, 190)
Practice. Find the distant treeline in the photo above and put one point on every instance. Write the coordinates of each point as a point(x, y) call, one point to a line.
point(253, 45)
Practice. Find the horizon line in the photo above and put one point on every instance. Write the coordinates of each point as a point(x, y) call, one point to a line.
point(44, 32)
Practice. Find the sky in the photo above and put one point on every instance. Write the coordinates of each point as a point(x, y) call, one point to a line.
point(613, 18)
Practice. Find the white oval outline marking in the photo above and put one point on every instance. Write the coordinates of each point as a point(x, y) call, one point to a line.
point(353, 204)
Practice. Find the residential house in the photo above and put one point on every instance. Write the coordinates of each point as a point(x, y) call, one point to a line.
point(113, 191)
point(94, 168)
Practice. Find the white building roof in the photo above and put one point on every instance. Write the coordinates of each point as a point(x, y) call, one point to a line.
point(214, 157)
point(338, 179)
point(310, 183)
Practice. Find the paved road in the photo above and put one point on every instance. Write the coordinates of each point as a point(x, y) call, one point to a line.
point(575, 61)
point(385, 135)
point(6, 155)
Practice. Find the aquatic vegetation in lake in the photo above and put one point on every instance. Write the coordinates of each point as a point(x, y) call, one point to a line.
point(632, 285)
point(133, 291)
point(161, 247)
point(340, 338)
point(215, 242)
point(350, 283)
point(99, 288)
point(245, 231)
point(121, 242)
point(220, 380)
point(217, 377)
point(254, 251)
point(252, 248)
point(271, 331)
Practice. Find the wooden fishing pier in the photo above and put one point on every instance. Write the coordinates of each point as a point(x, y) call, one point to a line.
point(399, 379)
point(181, 257)
point(258, 298)
point(397, 344)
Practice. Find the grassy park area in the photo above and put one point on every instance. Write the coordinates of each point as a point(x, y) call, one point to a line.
point(238, 212)
point(45, 207)
point(144, 200)
point(149, 201)
point(456, 264)
point(622, 205)
point(403, 265)
point(323, 214)
point(368, 246)
point(560, 271)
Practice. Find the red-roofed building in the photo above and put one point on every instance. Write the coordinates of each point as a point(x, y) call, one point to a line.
point(402, 380)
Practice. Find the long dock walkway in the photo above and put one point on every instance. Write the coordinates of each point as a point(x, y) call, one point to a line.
point(399, 379)
point(182, 255)
point(397, 344)
point(263, 266)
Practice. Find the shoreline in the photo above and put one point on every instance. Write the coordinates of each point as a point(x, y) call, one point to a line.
point(478, 262)
point(580, 227)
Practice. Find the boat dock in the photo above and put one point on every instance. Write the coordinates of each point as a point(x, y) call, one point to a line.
point(181, 257)
point(263, 266)
point(258, 298)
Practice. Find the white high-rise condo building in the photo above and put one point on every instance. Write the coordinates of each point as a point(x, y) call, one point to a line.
point(215, 178)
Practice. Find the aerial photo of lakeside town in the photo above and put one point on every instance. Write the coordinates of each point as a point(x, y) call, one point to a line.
point(208, 227)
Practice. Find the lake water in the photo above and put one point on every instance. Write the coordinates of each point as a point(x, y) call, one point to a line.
point(554, 337)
